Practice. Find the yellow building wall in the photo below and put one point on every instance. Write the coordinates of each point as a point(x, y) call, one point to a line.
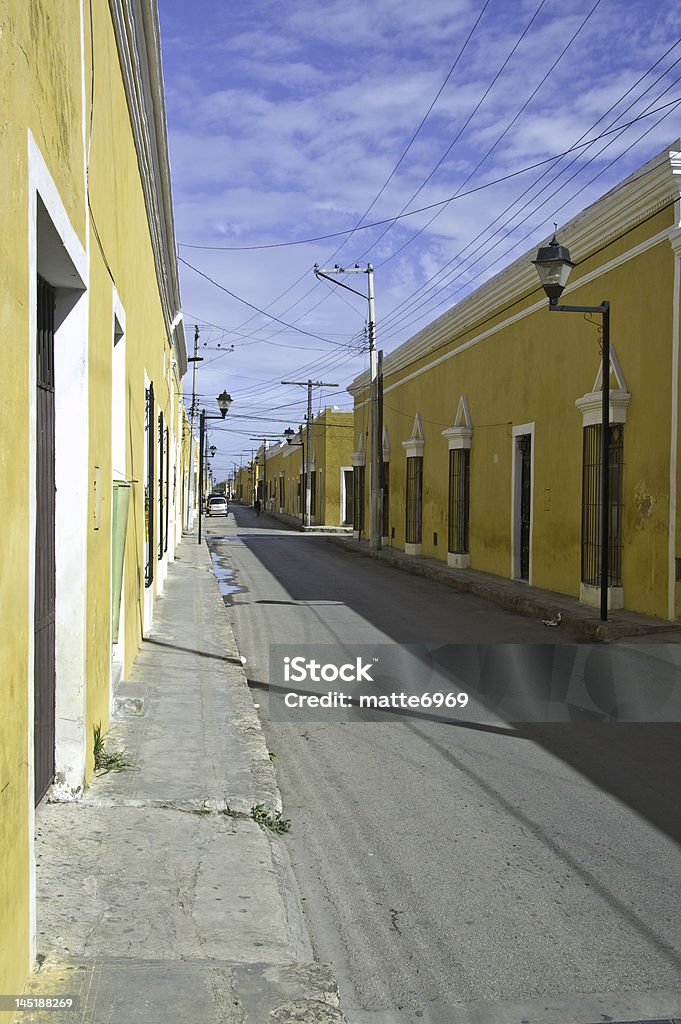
point(43, 87)
point(531, 371)
point(41, 91)
point(331, 439)
point(120, 249)
point(334, 437)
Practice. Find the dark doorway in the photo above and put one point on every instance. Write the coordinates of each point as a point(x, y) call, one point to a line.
point(45, 572)
point(525, 452)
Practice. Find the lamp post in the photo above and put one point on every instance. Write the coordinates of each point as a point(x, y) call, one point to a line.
point(553, 266)
point(289, 434)
point(224, 401)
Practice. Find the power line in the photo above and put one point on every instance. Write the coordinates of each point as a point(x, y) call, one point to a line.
point(406, 304)
point(270, 316)
point(420, 209)
point(421, 124)
point(498, 139)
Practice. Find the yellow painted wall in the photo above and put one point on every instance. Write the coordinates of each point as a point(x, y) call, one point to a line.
point(121, 248)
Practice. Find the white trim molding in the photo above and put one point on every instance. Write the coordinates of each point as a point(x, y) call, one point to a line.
point(591, 404)
point(414, 445)
point(460, 434)
point(386, 444)
point(56, 252)
point(359, 457)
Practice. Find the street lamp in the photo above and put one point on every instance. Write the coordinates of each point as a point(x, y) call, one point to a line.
point(553, 266)
point(224, 401)
point(289, 434)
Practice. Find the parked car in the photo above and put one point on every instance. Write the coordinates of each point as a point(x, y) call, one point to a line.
point(216, 505)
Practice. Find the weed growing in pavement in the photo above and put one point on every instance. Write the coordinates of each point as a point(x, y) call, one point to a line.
point(109, 760)
point(271, 754)
point(270, 819)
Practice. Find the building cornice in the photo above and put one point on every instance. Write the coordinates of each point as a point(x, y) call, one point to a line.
point(649, 189)
point(136, 28)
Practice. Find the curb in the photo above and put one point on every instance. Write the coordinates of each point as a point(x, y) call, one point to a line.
point(507, 594)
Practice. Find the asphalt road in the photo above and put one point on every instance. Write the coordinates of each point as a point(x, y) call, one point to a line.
point(459, 870)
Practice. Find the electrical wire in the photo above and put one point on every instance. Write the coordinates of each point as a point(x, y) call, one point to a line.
point(270, 316)
point(403, 323)
point(499, 138)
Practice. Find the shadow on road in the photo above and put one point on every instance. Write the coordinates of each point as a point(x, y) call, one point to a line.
point(637, 762)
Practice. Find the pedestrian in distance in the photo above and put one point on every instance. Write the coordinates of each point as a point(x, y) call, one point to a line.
point(256, 506)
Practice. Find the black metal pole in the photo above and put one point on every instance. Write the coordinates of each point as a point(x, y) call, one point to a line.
point(379, 444)
point(202, 430)
point(604, 310)
point(605, 464)
point(303, 504)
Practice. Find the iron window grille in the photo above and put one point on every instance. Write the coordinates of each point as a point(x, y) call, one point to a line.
point(150, 431)
point(168, 496)
point(459, 500)
point(591, 505)
point(161, 487)
point(414, 499)
point(358, 499)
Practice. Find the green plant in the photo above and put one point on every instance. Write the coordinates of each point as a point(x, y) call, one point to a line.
point(109, 760)
point(270, 819)
point(271, 754)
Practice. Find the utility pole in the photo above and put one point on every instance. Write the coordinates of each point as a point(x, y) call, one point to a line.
point(382, 518)
point(309, 384)
point(375, 440)
point(196, 358)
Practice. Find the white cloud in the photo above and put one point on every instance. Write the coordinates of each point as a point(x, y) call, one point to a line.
point(285, 121)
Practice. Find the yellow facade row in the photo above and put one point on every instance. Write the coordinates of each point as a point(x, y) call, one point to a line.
point(492, 414)
point(277, 475)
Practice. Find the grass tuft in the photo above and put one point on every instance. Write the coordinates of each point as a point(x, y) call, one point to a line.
point(109, 760)
point(270, 819)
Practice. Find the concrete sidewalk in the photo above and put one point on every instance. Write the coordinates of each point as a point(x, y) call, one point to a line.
point(159, 898)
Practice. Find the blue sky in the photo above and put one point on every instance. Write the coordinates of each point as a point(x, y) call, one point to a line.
point(299, 120)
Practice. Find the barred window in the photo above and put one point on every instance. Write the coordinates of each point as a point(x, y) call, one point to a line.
point(459, 499)
point(349, 477)
point(358, 499)
point(414, 499)
point(386, 500)
point(150, 441)
point(591, 505)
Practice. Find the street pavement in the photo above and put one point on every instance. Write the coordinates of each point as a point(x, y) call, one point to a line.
point(160, 899)
point(483, 870)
